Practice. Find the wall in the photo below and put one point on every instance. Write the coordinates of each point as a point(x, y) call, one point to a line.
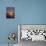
point(27, 12)
point(6, 25)
point(31, 11)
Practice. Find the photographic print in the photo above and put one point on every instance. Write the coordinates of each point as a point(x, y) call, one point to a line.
point(10, 12)
point(29, 34)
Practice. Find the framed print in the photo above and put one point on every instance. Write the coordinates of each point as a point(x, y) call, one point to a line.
point(32, 32)
point(10, 12)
